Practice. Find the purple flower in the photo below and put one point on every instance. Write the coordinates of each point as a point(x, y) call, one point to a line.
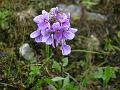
point(61, 17)
point(64, 19)
point(37, 35)
point(42, 20)
point(66, 49)
point(68, 16)
point(69, 33)
point(54, 11)
point(57, 31)
point(73, 30)
point(54, 29)
point(47, 36)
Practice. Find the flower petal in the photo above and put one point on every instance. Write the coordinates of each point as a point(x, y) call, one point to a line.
point(58, 36)
point(38, 19)
point(54, 10)
point(45, 14)
point(43, 25)
point(45, 37)
point(35, 34)
point(68, 16)
point(56, 26)
point(73, 30)
point(68, 35)
point(61, 16)
point(49, 40)
point(65, 23)
point(38, 39)
point(66, 49)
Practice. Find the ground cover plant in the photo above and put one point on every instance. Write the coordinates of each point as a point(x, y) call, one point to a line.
point(60, 45)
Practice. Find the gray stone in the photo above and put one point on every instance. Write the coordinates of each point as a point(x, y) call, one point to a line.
point(76, 12)
point(95, 17)
point(27, 52)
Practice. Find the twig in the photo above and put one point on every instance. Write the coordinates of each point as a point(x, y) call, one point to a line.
point(94, 52)
point(72, 78)
point(5, 84)
point(48, 71)
point(31, 65)
point(102, 63)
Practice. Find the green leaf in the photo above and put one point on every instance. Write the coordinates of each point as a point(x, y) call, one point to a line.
point(65, 61)
point(56, 66)
point(47, 80)
point(71, 86)
point(84, 79)
point(108, 73)
point(99, 73)
point(57, 79)
point(105, 73)
point(66, 81)
point(35, 70)
point(118, 34)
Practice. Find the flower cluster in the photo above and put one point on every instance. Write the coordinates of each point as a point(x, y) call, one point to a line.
point(54, 29)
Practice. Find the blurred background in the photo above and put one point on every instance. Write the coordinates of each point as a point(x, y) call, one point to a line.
point(97, 41)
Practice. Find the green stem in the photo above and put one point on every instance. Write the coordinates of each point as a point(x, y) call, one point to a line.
point(47, 51)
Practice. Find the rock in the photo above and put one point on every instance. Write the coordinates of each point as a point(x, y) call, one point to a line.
point(76, 12)
point(27, 52)
point(95, 17)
